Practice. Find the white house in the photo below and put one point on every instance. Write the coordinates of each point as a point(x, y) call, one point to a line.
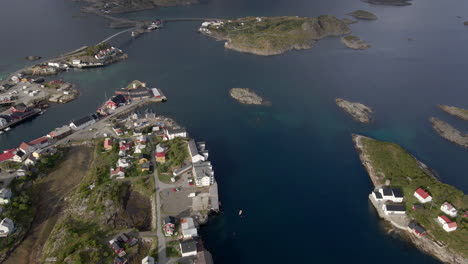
point(6, 227)
point(26, 148)
point(118, 173)
point(188, 227)
point(174, 133)
point(193, 152)
point(3, 121)
point(76, 62)
point(82, 122)
point(447, 224)
point(54, 64)
point(123, 162)
point(203, 173)
point(188, 248)
point(422, 196)
point(139, 148)
point(448, 209)
point(388, 194)
point(30, 161)
point(5, 195)
point(148, 260)
point(394, 209)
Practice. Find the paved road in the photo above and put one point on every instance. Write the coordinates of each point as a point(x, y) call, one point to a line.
point(162, 258)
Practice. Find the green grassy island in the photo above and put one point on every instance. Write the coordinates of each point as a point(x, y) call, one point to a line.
point(274, 35)
point(388, 161)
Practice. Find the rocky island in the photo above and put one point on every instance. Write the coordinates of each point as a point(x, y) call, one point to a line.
point(362, 14)
point(125, 6)
point(246, 96)
point(358, 111)
point(392, 168)
point(389, 2)
point(32, 58)
point(354, 42)
point(273, 35)
point(449, 132)
point(455, 111)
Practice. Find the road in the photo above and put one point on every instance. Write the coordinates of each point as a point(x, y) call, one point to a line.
point(162, 258)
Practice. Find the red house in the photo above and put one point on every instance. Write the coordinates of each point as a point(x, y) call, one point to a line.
point(108, 144)
point(21, 108)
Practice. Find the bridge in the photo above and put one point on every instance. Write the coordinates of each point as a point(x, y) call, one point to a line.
point(116, 34)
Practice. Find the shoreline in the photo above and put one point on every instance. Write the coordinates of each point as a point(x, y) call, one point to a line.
point(424, 244)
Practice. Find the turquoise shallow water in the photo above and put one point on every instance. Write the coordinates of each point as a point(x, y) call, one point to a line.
point(291, 167)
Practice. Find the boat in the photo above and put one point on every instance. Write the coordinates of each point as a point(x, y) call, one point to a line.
point(240, 212)
point(1, 132)
point(8, 129)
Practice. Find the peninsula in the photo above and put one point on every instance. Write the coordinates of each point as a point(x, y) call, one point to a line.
point(449, 132)
point(408, 195)
point(246, 96)
point(124, 6)
point(455, 111)
point(273, 35)
point(358, 111)
point(354, 42)
point(115, 186)
point(362, 14)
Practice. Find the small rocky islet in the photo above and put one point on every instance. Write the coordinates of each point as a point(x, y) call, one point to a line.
point(358, 111)
point(389, 2)
point(354, 42)
point(32, 58)
point(449, 132)
point(247, 96)
point(363, 14)
point(455, 111)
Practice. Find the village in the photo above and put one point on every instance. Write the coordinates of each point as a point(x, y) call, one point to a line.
point(31, 90)
point(144, 144)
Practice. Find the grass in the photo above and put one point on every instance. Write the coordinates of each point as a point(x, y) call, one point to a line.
point(93, 50)
point(144, 185)
point(405, 172)
point(105, 188)
point(78, 241)
point(277, 33)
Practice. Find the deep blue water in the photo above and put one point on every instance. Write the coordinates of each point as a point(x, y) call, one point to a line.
point(291, 167)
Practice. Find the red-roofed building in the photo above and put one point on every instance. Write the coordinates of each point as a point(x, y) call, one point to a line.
point(161, 157)
point(26, 148)
point(118, 173)
point(108, 143)
point(125, 145)
point(422, 196)
point(41, 142)
point(7, 155)
point(447, 224)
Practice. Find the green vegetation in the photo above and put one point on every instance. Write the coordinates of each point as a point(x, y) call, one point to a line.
point(21, 210)
point(274, 35)
point(137, 84)
point(78, 241)
point(144, 185)
point(407, 173)
point(177, 152)
point(172, 250)
point(104, 187)
point(92, 50)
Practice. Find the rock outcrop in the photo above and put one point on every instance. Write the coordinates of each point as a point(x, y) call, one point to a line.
point(354, 42)
point(358, 111)
point(32, 58)
point(448, 132)
point(362, 14)
point(246, 96)
point(389, 2)
point(348, 21)
point(455, 111)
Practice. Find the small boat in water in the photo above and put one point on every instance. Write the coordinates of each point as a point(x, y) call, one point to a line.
point(1, 132)
point(240, 212)
point(8, 129)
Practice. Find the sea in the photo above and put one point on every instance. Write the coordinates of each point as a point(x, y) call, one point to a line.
point(290, 167)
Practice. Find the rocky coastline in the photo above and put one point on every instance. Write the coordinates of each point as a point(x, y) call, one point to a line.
point(358, 111)
point(354, 42)
point(363, 14)
point(247, 96)
point(424, 244)
point(455, 111)
point(449, 132)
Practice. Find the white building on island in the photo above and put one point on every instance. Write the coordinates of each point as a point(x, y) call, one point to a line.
point(448, 209)
point(422, 196)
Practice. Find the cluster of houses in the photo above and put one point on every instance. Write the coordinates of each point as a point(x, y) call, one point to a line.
point(117, 244)
point(16, 114)
point(214, 23)
point(126, 160)
point(106, 53)
point(392, 199)
point(190, 244)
